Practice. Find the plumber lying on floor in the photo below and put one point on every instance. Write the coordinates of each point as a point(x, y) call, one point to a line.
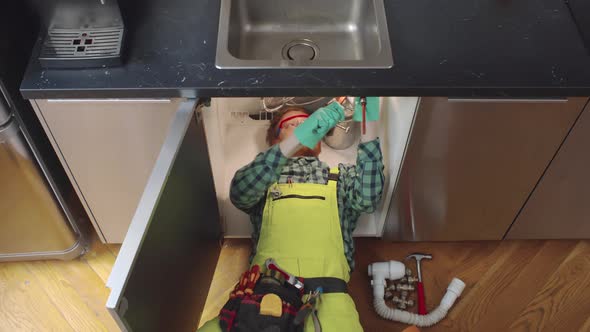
point(304, 213)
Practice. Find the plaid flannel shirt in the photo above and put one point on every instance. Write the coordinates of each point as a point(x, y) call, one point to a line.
point(359, 186)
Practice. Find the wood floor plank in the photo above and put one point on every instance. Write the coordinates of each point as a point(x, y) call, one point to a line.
point(481, 272)
point(81, 276)
point(77, 291)
point(114, 248)
point(100, 259)
point(467, 260)
point(511, 286)
point(524, 273)
point(24, 305)
point(233, 261)
point(563, 303)
point(496, 274)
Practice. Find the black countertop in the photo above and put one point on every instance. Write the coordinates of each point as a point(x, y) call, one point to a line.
point(470, 48)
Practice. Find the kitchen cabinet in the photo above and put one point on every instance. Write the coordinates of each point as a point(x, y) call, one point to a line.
point(455, 170)
point(162, 274)
point(558, 207)
point(108, 149)
point(471, 164)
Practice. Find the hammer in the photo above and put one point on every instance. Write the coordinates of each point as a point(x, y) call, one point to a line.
point(420, 287)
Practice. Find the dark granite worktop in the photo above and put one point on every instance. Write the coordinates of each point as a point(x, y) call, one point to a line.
point(487, 48)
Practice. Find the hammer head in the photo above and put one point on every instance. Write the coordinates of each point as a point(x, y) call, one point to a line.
point(418, 256)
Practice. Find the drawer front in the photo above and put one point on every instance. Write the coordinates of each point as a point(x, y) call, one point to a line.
point(558, 207)
point(161, 277)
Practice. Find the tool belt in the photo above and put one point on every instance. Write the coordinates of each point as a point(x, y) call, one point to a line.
point(269, 300)
point(328, 285)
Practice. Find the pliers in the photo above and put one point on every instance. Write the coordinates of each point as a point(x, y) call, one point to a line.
point(310, 308)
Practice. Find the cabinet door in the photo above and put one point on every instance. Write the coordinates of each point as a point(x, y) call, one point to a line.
point(559, 208)
point(471, 164)
point(108, 148)
point(162, 274)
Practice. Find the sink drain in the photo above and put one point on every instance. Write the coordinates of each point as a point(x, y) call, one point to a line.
point(300, 50)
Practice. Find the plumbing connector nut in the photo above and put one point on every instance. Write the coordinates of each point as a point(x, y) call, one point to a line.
point(388, 295)
point(404, 287)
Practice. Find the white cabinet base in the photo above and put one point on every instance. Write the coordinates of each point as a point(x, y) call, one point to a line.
point(234, 139)
point(108, 149)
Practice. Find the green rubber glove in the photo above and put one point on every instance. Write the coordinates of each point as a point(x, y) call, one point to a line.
point(319, 123)
point(372, 109)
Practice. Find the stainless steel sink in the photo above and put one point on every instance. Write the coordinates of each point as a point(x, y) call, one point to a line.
point(303, 34)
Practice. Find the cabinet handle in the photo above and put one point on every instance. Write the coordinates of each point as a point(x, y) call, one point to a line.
point(508, 100)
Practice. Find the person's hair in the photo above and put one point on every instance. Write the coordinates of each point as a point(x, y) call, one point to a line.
point(272, 132)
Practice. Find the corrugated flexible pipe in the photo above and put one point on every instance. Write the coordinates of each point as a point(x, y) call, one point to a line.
point(395, 270)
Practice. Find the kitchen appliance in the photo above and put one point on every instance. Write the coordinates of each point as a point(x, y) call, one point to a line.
point(33, 225)
point(471, 164)
point(81, 33)
point(37, 212)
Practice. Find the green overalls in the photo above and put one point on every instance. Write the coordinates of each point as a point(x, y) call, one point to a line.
point(301, 231)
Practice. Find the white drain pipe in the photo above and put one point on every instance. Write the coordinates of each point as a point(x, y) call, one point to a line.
point(396, 270)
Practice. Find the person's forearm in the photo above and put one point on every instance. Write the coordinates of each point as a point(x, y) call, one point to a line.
point(367, 189)
point(290, 146)
point(251, 182)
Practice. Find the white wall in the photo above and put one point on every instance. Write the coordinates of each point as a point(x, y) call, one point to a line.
point(234, 139)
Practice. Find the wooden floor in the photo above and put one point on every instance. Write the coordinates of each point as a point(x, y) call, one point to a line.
point(58, 296)
point(511, 286)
